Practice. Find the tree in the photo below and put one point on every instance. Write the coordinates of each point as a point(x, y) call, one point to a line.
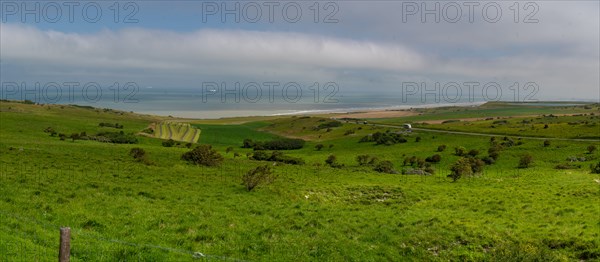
point(441, 148)
point(203, 155)
point(318, 147)
point(385, 167)
point(591, 149)
point(546, 143)
point(260, 175)
point(525, 161)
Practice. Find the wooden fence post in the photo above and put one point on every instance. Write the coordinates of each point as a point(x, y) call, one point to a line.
point(64, 252)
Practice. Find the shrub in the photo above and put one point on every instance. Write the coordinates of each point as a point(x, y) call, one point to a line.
point(203, 155)
point(460, 168)
point(168, 143)
point(418, 139)
point(385, 167)
point(276, 156)
point(591, 149)
point(332, 162)
point(248, 143)
point(139, 155)
point(328, 125)
point(318, 147)
point(116, 137)
point(331, 146)
point(260, 175)
point(363, 160)
point(567, 166)
point(525, 161)
point(434, 159)
point(466, 166)
point(441, 148)
point(546, 143)
point(236, 154)
point(488, 160)
point(260, 155)
point(278, 144)
point(460, 151)
point(229, 149)
point(473, 152)
point(595, 168)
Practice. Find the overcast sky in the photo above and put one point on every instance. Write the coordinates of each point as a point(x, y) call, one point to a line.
point(364, 46)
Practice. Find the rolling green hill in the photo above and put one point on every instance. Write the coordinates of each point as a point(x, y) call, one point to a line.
point(120, 209)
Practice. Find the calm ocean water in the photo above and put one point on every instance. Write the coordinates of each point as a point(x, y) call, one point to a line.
point(193, 103)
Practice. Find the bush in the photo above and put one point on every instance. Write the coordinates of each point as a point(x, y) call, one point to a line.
point(567, 166)
point(116, 137)
point(229, 149)
point(488, 160)
point(332, 162)
point(278, 144)
point(203, 155)
point(168, 143)
point(115, 125)
point(595, 168)
point(363, 160)
point(248, 143)
point(434, 159)
point(591, 149)
point(441, 148)
point(525, 161)
point(385, 167)
point(386, 138)
point(546, 143)
point(139, 155)
point(260, 155)
point(328, 125)
point(466, 166)
point(318, 147)
point(260, 175)
point(473, 152)
point(460, 151)
point(276, 156)
point(418, 139)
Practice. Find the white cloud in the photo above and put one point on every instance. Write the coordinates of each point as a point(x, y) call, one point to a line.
point(204, 49)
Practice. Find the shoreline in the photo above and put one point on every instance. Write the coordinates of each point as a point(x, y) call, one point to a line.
point(369, 112)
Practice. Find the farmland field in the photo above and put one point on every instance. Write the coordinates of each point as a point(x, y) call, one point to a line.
point(166, 209)
point(183, 132)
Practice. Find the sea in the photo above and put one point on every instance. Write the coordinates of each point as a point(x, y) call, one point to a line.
point(214, 104)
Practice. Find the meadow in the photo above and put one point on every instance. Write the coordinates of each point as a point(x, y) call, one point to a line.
point(169, 210)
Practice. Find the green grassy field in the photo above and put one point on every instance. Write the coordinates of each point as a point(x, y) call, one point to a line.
point(123, 210)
